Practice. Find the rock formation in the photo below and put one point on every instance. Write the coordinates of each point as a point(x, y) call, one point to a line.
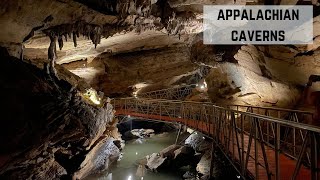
point(53, 51)
point(48, 129)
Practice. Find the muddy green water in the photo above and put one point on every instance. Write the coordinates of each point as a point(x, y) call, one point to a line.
point(126, 168)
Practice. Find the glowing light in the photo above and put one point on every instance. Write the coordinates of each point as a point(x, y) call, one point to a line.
point(238, 177)
point(136, 153)
point(135, 94)
point(203, 85)
point(93, 96)
point(129, 177)
point(141, 178)
point(203, 137)
point(195, 133)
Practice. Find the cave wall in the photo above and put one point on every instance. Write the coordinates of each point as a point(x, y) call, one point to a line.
point(232, 83)
point(117, 73)
point(47, 130)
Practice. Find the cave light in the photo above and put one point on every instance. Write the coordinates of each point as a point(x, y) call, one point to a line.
point(93, 96)
point(203, 85)
point(130, 177)
point(138, 87)
point(135, 94)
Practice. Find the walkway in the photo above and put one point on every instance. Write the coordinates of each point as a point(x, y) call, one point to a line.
point(260, 144)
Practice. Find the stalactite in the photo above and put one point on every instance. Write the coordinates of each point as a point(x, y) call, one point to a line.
point(69, 35)
point(66, 36)
point(74, 37)
point(52, 54)
point(52, 51)
point(60, 42)
point(91, 31)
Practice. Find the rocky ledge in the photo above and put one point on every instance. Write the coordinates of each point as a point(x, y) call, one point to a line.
point(47, 129)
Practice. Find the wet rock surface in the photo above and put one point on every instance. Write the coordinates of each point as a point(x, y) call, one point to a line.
point(138, 133)
point(172, 156)
point(99, 158)
point(193, 158)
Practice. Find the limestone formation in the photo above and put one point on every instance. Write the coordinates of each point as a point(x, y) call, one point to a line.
point(50, 129)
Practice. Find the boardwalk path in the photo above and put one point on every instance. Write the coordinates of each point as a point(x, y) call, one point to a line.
point(233, 131)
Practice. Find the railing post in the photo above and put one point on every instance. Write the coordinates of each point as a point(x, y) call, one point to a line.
point(268, 134)
point(148, 108)
point(178, 135)
point(294, 136)
point(277, 150)
point(256, 157)
point(212, 160)
point(125, 106)
point(262, 143)
point(160, 111)
point(314, 158)
point(242, 146)
point(302, 151)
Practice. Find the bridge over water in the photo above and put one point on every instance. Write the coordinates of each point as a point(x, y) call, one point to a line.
point(260, 142)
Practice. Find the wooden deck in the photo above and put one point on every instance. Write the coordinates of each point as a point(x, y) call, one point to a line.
point(287, 164)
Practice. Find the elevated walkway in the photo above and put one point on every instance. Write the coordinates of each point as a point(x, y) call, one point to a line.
point(261, 143)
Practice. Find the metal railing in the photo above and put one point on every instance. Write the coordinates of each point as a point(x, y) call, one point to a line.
point(281, 113)
point(253, 143)
point(177, 93)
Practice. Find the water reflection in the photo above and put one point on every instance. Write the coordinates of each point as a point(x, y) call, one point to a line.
point(131, 165)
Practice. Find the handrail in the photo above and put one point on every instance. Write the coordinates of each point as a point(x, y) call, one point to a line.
point(179, 92)
point(177, 87)
point(273, 108)
point(150, 93)
point(226, 106)
point(272, 119)
point(228, 127)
